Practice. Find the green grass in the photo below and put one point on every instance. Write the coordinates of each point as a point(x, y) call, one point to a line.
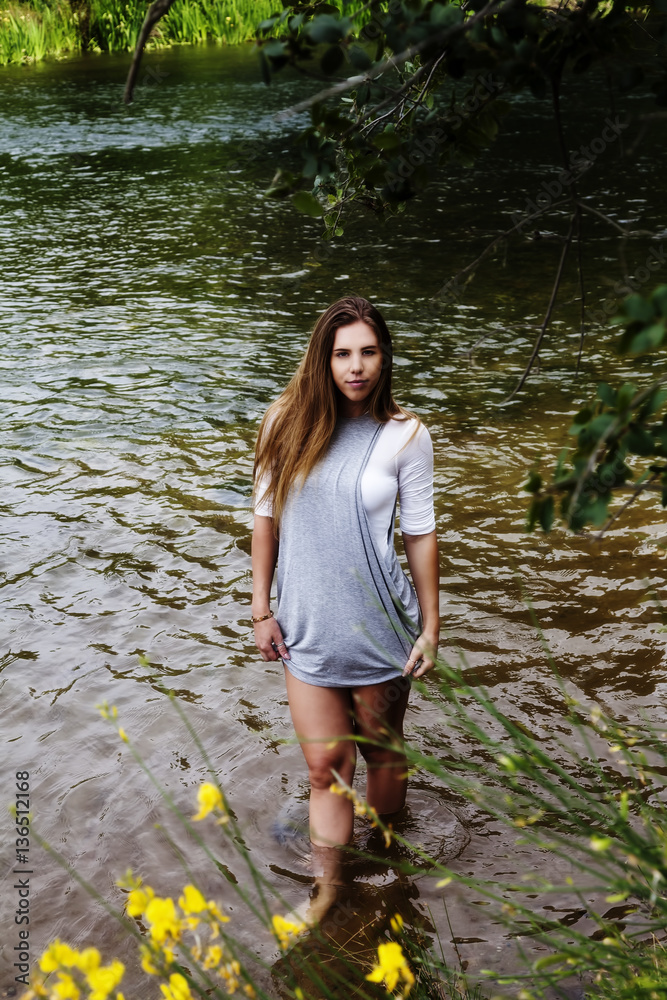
point(595, 797)
point(30, 32)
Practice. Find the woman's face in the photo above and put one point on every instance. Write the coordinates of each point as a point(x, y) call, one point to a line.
point(356, 365)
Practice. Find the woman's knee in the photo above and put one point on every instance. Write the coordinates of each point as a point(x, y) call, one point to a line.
point(322, 771)
point(381, 756)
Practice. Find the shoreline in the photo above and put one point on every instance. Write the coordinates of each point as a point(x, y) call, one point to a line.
point(36, 32)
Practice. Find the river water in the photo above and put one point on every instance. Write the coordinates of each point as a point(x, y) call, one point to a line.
point(153, 304)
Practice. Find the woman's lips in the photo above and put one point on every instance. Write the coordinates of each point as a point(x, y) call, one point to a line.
point(357, 383)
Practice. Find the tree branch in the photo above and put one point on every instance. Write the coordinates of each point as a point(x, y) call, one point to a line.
point(547, 318)
point(613, 223)
point(613, 426)
point(396, 60)
point(156, 10)
point(640, 488)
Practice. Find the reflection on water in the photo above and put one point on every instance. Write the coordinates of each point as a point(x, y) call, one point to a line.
point(155, 303)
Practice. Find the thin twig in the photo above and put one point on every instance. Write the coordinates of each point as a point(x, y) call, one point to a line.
point(613, 426)
point(547, 318)
point(616, 225)
point(396, 60)
point(640, 488)
point(499, 239)
point(582, 289)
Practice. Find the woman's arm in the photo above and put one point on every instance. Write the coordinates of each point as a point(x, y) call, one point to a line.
point(264, 552)
point(422, 556)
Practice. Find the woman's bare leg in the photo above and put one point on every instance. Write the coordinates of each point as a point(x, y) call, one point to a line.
point(322, 719)
point(379, 710)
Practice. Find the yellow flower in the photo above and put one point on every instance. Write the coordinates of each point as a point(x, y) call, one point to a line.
point(88, 960)
point(230, 973)
point(215, 912)
point(57, 955)
point(396, 923)
point(161, 915)
point(147, 963)
point(123, 734)
point(178, 988)
point(208, 799)
point(286, 930)
point(105, 979)
point(213, 956)
point(66, 988)
point(138, 900)
point(391, 966)
point(168, 953)
point(192, 900)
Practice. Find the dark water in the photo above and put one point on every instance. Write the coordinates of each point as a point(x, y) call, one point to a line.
point(153, 304)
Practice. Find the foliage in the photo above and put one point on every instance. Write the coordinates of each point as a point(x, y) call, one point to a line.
point(424, 85)
point(420, 84)
point(28, 33)
point(186, 942)
point(622, 425)
point(37, 29)
point(595, 801)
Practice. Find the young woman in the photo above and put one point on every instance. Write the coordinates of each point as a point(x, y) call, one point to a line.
point(333, 454)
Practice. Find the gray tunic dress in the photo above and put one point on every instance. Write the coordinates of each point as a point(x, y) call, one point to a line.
point(348, 614)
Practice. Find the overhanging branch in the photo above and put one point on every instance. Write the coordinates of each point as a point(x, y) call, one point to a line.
point(156, 10)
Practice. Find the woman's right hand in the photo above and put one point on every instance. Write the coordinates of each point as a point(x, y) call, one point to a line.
point(269, 640)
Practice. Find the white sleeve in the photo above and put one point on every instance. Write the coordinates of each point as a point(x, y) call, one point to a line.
point(263, 505)
point(415, 484)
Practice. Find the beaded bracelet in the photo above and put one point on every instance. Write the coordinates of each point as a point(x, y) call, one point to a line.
point(262, 618)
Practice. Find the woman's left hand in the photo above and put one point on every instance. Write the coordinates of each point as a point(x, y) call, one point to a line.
point(422, 656)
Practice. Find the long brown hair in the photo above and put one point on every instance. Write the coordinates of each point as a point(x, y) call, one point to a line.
point(296, 429)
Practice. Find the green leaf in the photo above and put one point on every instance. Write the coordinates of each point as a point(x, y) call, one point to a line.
point(332, 59)
point(307, 203)
point(659, 299)
point(544, 963)
point(387, 140)
point(582, 417)
point(533, 514)
point(534, 482)
point(547, 514)
point(267, 25)
point(648, 338)
point(636, 307)
point(597, 511)
point(626, 394)
point(274, 49)
point(600, 424)
point(640, 442)
point(359, 58)
point(606, 394)
point(363, 94)
point(446, 15)
point(329, 29)
point(655, 402)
